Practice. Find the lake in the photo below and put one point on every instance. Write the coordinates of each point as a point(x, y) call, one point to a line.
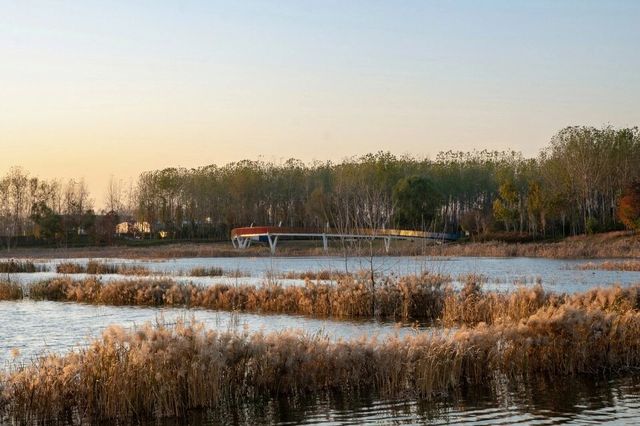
point(33, 328)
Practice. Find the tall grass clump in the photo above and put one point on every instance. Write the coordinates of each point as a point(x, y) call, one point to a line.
point(206, 272)
point(10, 291)
point(427, 298)
point(472, 305)
point(410, 297)
point(605, 245)
point(165, 371)
point(323, 275)
point(628, 265)
point(99, 268)
point(17, 266)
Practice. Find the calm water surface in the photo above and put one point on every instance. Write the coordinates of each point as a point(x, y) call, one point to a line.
point(540, 402)
point(502, 273)
point(34, 328)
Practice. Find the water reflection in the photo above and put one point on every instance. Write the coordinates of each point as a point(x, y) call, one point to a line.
point(539, 401)
point(37, 327)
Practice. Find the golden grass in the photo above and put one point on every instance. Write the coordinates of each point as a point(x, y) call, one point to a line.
point(611, 244)
point(628, 265)
point(206, 272)
point(606, 245)
point(10, 291)
point(404, 299)
point(17, 266)
point(164, 251)
point(323, 275)
point(166, 371)
point(99, 268)
point(427, 298)
point(472, 305)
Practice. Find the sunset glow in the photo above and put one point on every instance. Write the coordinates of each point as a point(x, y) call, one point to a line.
point(92, 90)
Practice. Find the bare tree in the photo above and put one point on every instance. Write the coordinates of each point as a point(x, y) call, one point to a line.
point(114, 198)
point(76, 197)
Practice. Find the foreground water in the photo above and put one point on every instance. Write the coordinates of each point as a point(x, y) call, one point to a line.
point(34, 328)
point(501, 273)
point(539, 402)
point(29, 329)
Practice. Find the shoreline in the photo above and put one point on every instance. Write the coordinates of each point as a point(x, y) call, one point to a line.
point(619, 244)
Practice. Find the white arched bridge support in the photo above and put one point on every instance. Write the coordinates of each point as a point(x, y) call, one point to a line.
point(241, 242)
point(241, 238)
point(273, 241)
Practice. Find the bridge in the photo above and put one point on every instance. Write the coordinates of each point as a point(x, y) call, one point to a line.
point(242, 237)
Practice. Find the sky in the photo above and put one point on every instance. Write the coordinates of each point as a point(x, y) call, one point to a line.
point(98, 89)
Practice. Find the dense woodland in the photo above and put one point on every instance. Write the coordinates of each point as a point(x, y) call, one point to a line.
point(582, 182)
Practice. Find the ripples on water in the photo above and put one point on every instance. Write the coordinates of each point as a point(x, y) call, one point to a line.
point(540, 402)
point(502, 273)
point(35, 328)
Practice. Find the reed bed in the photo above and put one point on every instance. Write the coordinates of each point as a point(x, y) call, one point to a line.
point(472, 305)
point(606, 245)
point(17, 266)
point(160, 251)
point(323, 275)
point(207, 272)
point(628, 265)
point(426, 298)
point(404, 299)
point(100, 268)
point(163, 371)
point(10, 291)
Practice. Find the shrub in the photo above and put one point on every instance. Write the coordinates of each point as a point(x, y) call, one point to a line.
point(10, 291)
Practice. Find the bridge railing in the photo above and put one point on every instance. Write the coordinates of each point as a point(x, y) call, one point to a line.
point(249, 231)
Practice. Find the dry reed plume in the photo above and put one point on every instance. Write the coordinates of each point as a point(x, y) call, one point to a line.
point(424, 298)
point(629, 265)
point(10, 291)
point(324, 275)
point(17, 266)
point(165, 371)
point(606, 245)
point(206, 272)
point(99, 268)
point(406, 298)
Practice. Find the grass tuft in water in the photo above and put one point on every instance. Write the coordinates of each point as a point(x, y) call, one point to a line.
point(10, 291)
point(164, 371)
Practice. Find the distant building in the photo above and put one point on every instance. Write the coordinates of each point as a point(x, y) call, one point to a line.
point(133, 228)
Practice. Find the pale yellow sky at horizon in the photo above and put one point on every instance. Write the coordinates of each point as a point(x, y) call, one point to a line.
point(89, 91)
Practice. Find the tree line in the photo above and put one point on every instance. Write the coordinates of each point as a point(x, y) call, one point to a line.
point(574, 186)
point(35, 210)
